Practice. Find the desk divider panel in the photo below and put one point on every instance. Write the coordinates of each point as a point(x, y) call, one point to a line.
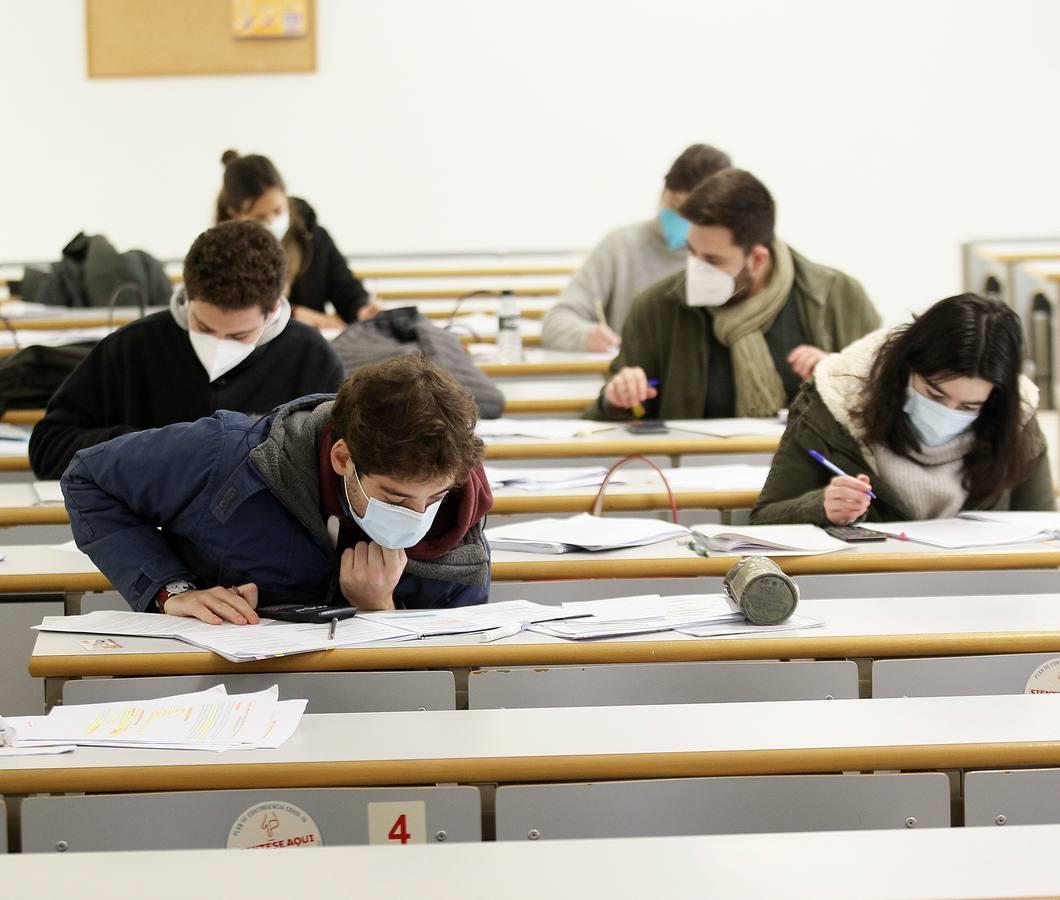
point(629, 685)
point(965, 676)
point(737, 805)
point(253, 818)
point(1012, 797)
point(327, 692)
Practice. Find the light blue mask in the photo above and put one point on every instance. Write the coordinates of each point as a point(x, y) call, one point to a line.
point(388, 525)
point(934, 423)
point(674, 229)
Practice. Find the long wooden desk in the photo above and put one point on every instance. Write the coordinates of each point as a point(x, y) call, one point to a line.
point(584, 744)
point(601, 439)
point(39, 569)
point(542, 363)
point(876, 628)
point(672, 559)
point(548, 397)
point(932, 864)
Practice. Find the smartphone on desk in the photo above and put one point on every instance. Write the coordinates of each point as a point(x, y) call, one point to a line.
point(300, 612)
point(647, 426)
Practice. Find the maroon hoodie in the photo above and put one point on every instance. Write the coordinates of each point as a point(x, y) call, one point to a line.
point(462, 508)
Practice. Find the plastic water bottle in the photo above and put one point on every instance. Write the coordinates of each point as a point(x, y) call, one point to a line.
point(509, 333)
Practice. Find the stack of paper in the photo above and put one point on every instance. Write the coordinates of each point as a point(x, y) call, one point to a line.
point(207, 720)
point(730, 427)
point(582, 532)
point(548, 479)
point(546, 429)
point(48, 493)
point(1047, 522)
point(711, 614)
point(766, 540)
point(423, 623)
point(238, 643)
point(737, 477)
point(9, 742)
point(966, 533)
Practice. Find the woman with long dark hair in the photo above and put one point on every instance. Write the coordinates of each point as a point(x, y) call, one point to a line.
point(318, 273)
point(933, 417)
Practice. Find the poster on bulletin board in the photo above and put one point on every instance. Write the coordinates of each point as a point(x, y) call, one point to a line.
point(269, 18)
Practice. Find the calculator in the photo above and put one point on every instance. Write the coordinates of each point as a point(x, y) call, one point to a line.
point(297, 612)
point(855, 534)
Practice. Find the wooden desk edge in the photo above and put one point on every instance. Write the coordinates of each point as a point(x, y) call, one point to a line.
point(655, 500)
point(303, 774)
point(476, 656)
point(626, 446)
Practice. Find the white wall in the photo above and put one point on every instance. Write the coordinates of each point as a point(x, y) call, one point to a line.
point(888, 132)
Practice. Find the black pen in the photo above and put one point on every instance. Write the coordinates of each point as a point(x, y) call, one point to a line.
point(331, 629)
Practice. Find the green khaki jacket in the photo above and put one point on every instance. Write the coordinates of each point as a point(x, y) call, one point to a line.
point(794, 490)
point(667, 338)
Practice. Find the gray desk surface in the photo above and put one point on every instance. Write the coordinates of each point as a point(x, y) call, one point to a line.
point(878, 627)
point(587, 743)
point(847, 865)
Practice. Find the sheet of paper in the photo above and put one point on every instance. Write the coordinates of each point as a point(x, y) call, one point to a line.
point(285, 719)
point(960, 534)
point(48, 493)
point(546, 429)
point(741, 627)
point(610, 609)
point(584, 531)
point(752, 540)
point(470, 619)
point(557, 478)
point(1042, 519)
point(736, 477)
point(37, 751)
point(729, 427)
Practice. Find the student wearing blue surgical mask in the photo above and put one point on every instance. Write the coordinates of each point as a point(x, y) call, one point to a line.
point(373, 498)
point(933, 418)
point(627, 261)
point(742, 325)
point(318, 274)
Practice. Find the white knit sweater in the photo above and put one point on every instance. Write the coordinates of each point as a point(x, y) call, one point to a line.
point(927, 483)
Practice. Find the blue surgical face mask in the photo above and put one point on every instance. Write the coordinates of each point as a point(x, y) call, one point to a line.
point(388, 525)
point(934, 423)
point(674, 228)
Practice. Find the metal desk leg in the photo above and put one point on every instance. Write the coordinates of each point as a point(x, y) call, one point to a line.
point(53, 691)
point(72, 603)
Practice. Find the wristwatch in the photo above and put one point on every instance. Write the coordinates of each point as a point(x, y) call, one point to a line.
point(172, 590)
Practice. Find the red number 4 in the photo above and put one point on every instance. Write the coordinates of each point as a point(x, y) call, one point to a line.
point(400, 831)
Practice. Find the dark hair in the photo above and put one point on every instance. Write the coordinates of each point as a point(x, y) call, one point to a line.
point(696, 163)
point(246, 178)
point(734, 199)
point(236, 265)
point(963, 336)
point(408, 418)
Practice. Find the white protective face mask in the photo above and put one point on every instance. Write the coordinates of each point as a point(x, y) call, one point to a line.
point(388, 525)
point(280, 225)
point(218, 355)
point(934, 423)
point(707, 285)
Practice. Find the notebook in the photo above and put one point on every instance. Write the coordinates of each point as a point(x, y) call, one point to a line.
point(766, 540)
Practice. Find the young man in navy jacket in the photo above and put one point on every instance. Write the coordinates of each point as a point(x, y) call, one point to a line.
point(374, 497)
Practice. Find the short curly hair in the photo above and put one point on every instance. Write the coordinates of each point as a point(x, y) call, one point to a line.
point(410, 419)
point(236, 265)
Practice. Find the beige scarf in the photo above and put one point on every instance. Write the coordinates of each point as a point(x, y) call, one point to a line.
point(742, 326)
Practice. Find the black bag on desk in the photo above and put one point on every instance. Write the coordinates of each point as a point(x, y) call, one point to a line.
point(395, 332)
point(92, 273)
point(29, 377)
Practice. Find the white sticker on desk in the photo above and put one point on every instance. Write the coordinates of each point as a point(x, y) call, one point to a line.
point(274, 825)
point(400, 822)
point(1045, 679)
point(100, 644)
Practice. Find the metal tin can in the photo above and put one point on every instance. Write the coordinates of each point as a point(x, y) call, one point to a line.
point(758, 588)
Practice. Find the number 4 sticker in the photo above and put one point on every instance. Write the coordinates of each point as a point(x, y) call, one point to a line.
point(401, 822)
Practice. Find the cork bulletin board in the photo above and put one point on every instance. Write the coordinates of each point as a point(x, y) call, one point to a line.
point(144, 38)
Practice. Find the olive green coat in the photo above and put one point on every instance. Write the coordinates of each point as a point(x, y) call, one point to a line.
point(667, 338)
point(794, 490)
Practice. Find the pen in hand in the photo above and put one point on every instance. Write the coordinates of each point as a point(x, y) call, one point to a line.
point(833, 468)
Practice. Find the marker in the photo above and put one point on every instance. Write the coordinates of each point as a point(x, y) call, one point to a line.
point(638, 409)
point(503, 631)
point(832, 467)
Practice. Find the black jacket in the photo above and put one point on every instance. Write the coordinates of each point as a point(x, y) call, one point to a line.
point(147, 375)
point(326, 277)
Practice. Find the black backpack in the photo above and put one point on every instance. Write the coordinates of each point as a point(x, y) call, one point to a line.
point(29, 377)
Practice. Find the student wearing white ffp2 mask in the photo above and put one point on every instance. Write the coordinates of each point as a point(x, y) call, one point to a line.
point(933, 418)
point(742, 326)
point(226, 342)
point(317, 273)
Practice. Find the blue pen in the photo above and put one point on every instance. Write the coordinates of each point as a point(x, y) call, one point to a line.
point(832, 467)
